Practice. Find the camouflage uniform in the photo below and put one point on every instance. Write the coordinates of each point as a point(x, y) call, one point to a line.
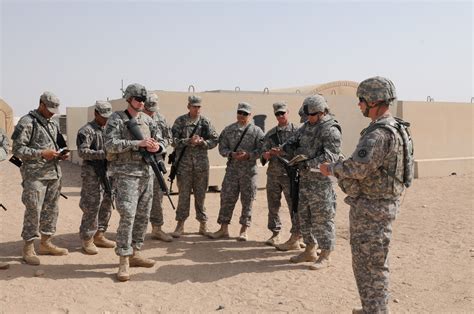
point(156, 214)
point(317, 199)
point(132, 179)
point(4, 145)
point(95, 203)
point(240, 176)
point(193, 169)
point(374, 199)
point(41, 178)
point(277, 178)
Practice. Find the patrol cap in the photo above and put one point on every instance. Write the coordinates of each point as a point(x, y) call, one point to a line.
point(51, 101)
point(243, 106)
point(151, 103)
point(135, 90)
point(103, 108)
point(280, 106)
point(194, 100)
point(314, 103)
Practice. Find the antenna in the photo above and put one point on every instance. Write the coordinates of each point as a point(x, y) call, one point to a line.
point(121, 88)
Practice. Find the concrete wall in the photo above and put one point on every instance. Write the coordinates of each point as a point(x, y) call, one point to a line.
point(443, 135)
point(442, 132)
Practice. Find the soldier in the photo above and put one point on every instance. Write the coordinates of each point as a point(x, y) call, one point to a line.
point(96, 202)
point(278, 180)
point(156, 214)
point(35, 143)
point(194, 134)
point(4, 147)
point(132, 177)
point(241, 142)
point(319, 139)
point(374, 178)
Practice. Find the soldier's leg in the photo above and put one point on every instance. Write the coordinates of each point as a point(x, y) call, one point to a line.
point(89, 204)
point(273, 189)
point(156, 213)
point(370, 240)
point(229, 196)
point(305, 215)
point(184, 197)
point(50, 210)
point(32, 197)
point(248, 193)
point(142, 214)
point(126, 201)
point(325, 228)
point(200, 185)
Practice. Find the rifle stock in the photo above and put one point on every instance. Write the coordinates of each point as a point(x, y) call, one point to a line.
point(100, 169)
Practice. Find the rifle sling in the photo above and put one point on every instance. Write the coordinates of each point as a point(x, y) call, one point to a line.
point(38, 119)
point(178, 161)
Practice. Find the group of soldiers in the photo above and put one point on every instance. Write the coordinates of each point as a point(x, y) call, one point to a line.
point(116, 148)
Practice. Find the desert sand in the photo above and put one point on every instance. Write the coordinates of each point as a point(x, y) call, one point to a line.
point(431, 261)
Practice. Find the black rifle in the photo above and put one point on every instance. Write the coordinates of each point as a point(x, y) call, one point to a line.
point(175, 163)
point(100, 169)
point(294, 176)
point(158, 166)
point(17, 162)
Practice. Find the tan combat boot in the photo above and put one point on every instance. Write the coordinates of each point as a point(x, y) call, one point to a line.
point(158, 234)
point(243, 236)
point(309, 255)
point(179, 229)
point(29, 254)
point(203, 228)
point(357, 311)
point(274, 240)
point(323, 260)
point(293, 243)
point(48, 248)
point(223, 232)
point(136, 260)
point(123, 273)
point(4, 265)
point(89, 247)
point(101, 241)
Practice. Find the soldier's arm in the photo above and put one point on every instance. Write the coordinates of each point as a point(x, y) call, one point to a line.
point(368, 156)
point(113, 137)
point(293, 142)
point(180, 137)
point(4, 145)
point(224, 146)
point(21, 139)
point(213, 139)
point(258, 143)
point(83, 142)
point(165, 131)
point(156, 133)
point(332, 141)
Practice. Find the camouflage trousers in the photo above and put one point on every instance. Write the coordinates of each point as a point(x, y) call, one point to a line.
point(40, 198)
point(276, 185)
point(371, 231)
point(156, 213)
point(196, 182)
point(133, 201)
point(316, 211)
point(96, 205)
point(237, 182)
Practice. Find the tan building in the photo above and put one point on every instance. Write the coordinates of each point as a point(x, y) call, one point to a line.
point(6, 117)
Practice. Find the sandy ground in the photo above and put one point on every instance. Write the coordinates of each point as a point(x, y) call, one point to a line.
point(431, 261)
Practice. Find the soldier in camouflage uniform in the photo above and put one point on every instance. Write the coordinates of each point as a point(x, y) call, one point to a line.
point(34, 142)
point(95, 203)
point(319, 139)
point(278, 180)
point(241, 171)
point(4, 147)
point(373, 179)
point(132, 177)
point(193, 168)
point(156, 214)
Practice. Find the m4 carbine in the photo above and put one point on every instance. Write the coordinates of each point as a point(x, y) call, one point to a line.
point(150, 158)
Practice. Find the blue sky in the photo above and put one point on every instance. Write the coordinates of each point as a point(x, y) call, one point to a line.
point(81, 50)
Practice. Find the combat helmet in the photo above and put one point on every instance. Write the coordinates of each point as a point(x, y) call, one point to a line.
point(135, 90)
point(376, 89)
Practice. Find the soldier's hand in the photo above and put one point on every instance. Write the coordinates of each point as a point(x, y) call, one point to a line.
point(324, 168)
point(276, 151)
point(267, 155)
point(241, 155)
point(49, 154)
point(64, 156)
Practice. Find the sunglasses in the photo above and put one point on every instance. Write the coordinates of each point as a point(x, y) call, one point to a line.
point(140, 99)
point(279, 113)
point(242, 113)
point(313, 114)
point(361, 99)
